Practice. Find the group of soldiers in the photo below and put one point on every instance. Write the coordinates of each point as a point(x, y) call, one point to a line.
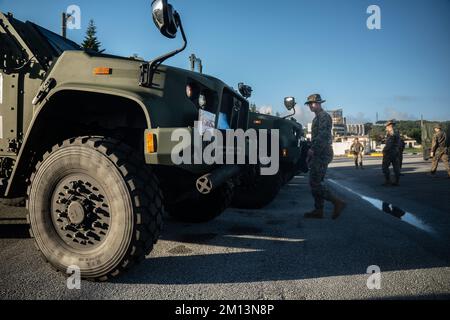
point(321, 155)
point(395, 146)
point(394, 150)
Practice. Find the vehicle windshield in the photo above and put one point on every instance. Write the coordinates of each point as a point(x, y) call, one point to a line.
point(58, 43)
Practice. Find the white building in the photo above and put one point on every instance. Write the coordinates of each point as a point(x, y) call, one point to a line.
point(342, 145)
point(356, 130)
point(309, 134)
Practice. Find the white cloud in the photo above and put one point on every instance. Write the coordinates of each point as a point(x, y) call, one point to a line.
point(303, 115)
point(266, 110)
point(358, 118)
point(392, 113)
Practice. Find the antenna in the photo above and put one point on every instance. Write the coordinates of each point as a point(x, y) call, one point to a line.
point(194, 60)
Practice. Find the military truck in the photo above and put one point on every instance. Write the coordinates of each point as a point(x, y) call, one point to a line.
point(427, 137)
point(85, 138)
point(257, 191)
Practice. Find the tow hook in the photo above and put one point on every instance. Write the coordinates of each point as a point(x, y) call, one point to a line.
point(211, 181)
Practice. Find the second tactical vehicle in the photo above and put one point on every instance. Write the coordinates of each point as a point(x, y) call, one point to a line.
point(257, 191)
point(86, 139)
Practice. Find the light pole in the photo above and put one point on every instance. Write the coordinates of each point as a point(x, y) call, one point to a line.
point(65, 18)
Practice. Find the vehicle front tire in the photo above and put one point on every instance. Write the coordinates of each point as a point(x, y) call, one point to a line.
point(92, 204)
point(258, 193)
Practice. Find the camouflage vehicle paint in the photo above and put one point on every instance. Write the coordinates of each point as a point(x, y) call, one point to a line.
point(75, 114)
point(291, 140)
point(258, 191)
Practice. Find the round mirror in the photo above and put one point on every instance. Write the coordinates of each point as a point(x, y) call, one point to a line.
point(290, 103)
point(164, 18)
point(245, 90)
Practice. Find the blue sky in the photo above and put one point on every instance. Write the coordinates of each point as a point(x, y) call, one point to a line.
point(292, 47)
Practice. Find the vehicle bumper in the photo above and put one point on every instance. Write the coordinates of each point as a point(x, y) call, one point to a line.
point(164, 145)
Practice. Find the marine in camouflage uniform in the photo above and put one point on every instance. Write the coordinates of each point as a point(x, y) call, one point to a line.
point(439, 150)
point(319, 157)
point(357, 149)
point(391, 154)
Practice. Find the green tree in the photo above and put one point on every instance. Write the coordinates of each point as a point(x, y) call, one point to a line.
point(411, 129)
point(91, 42)
point(377, 133)
point(253, 108)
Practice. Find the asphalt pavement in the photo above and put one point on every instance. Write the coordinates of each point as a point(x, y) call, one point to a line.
point(274, 253)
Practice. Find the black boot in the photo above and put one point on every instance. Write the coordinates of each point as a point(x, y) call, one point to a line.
point(316, 214)
point(339, 206)
point(396, 182)
point(387, 182)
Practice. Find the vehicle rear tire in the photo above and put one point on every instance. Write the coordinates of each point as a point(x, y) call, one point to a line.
point(258, 193)
point(93, 204)
point(205, 208)
point(288, 175)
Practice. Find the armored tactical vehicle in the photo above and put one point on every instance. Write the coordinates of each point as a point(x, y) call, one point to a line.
point(427, 137)
point(86, 139)
point(257, 191)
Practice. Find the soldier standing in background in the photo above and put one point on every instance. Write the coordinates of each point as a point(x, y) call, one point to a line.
point(391, 154)
point(319, 157)
point(402, 151)
point(357, 149)
point(439, 150)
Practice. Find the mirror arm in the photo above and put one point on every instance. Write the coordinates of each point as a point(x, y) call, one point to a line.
point(148, 69)
point(291, 115)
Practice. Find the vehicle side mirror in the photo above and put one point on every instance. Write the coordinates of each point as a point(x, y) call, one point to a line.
point(290, 103)
point(245, 90)
point(168, 21)
point(165, 18)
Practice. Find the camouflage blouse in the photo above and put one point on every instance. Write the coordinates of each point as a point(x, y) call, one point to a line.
point(393, 142)
point(322, 138)
point(439, 141)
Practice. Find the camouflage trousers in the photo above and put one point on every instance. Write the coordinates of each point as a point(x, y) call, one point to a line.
point(319, 189)
point(440, 155)
point(388, 159)
point(358, 159)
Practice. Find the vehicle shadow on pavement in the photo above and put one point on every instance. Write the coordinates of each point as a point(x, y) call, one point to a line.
point(277, 244)
point(14, 231)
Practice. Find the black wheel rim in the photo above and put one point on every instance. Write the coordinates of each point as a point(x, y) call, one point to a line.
point(80, 212)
